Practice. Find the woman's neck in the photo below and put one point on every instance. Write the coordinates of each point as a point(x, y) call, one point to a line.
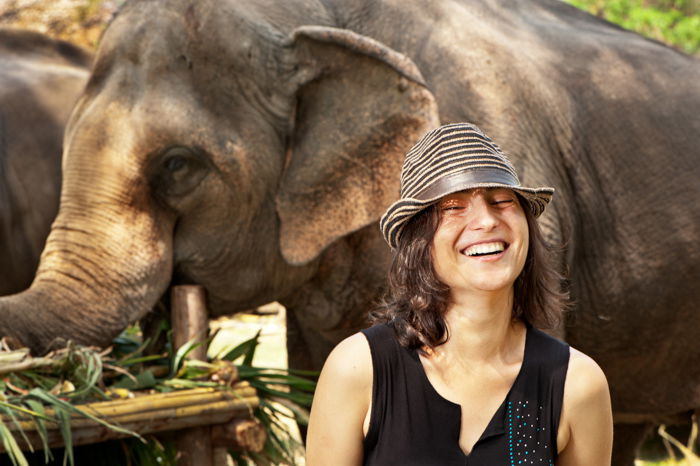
point(481, 327)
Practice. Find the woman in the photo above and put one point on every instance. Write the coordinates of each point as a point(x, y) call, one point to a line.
point(453, 371)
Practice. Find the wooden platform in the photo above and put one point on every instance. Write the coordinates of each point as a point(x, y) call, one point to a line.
point(146, 414)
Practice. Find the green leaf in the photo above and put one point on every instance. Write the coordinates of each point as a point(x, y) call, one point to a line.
point(303, 399)
point(140, 360)
point(41, 427)
point(250, 353)
point(40, 381)
point(145, 379)
point(22, 410)
point(181, 353)
point(10, 413)
point(305, 373)
point(64, 426)
point(276, 377)
point(11, 447)
point(246, 348)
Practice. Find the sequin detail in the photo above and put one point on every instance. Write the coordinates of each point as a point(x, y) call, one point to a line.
point(523, 443)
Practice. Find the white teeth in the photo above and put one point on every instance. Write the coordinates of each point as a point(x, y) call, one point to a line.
point(485, 248)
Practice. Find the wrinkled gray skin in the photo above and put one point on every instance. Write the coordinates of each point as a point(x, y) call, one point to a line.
point(230, 144)
point(40, 80)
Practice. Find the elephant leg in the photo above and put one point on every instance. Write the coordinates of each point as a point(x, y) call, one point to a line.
point(334, 303)
point(305, 350)
point(305, 347)
point(626, 442)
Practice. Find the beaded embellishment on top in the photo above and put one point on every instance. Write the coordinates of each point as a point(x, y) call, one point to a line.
point(522, 441)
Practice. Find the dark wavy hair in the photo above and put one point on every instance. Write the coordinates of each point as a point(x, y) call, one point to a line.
point(416, 299)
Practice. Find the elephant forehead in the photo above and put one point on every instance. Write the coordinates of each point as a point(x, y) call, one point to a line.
point(232, 62)
point(161, 30)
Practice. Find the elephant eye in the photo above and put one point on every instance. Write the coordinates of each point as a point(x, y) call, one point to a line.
point(175, 163)
point(178, 161)
point(178, 170)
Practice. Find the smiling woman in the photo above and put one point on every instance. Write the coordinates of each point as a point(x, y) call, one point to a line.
point(454, 370)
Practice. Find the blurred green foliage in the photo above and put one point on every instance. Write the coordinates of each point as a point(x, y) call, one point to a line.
point(674, 22)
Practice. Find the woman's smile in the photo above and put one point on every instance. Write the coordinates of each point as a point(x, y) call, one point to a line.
point(491, 250)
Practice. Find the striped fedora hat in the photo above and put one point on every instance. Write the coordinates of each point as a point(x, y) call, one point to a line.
point(448, 159)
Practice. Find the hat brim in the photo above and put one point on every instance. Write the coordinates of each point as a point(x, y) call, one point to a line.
point(402, 211)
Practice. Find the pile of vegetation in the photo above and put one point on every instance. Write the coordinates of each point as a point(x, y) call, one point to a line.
point(49, 391)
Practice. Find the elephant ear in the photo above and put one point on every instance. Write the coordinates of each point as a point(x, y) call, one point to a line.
point(360, 108)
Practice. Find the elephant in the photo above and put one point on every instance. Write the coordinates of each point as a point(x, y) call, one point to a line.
point(251, 146)
point(40, 80)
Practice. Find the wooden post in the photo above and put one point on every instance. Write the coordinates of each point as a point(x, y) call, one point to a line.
point(189, 318)
point(241, 434)
point(190, 322)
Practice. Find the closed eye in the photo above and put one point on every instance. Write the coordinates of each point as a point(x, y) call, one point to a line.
point(448, 205)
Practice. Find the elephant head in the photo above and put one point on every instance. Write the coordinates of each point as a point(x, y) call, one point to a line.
point(216, 145)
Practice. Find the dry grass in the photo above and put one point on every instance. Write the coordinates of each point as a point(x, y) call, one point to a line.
point(687, 457)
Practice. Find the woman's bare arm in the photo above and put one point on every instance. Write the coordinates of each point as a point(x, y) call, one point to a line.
point(341, 402)
point(586, 430)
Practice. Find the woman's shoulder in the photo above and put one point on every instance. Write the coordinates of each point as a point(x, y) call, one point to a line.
point(587, 413)
point(586, 391)
point(350, 361)
point(356, 341)
point(585, 378)
point(335, 429)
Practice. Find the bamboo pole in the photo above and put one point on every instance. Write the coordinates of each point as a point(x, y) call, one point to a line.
point(186, 410)
point(159, 401)
point(157, 406)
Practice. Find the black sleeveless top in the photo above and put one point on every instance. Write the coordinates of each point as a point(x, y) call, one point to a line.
point(411, 424)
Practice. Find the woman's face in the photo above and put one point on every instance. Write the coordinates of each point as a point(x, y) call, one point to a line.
point(481, 241)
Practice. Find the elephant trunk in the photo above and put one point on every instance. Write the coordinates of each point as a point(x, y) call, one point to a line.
point(107, 260)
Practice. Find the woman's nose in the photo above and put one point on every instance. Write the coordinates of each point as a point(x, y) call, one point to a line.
point(482, 215)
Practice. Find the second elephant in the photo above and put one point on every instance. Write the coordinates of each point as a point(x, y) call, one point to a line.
point(40, 80)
